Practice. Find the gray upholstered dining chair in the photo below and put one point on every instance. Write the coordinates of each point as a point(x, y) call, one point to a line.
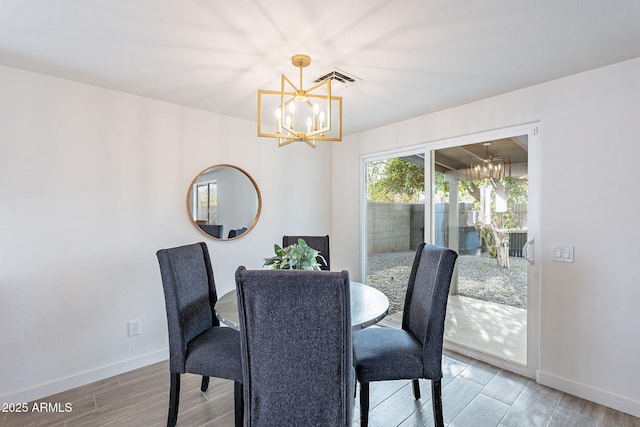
point(197, 344)
point(214, 230)
point(319, 243)
point(236, 233)
point(415, 351)
point(297, 360)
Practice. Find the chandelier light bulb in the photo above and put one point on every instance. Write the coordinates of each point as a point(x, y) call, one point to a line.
point(278, 119)
point(290, 120)
point(316, 108)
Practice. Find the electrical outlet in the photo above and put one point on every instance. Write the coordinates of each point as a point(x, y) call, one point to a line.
point(134, 327)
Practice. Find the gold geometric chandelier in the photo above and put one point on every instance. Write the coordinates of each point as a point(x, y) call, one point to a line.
point(489, 166)
point(296, 114)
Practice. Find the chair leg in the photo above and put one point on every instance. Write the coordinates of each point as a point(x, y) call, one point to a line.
point(174, 399)
point(364, 404)
point(436, 398)
point(205, 383)
point(238, 401)
point(416, 389)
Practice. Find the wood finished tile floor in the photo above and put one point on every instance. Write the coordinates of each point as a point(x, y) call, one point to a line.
point(475, 394)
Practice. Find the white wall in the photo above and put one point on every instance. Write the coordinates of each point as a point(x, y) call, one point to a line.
point(590, 149)
point(92, 183)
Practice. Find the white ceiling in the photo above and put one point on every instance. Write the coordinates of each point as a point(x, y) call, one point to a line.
point(413, 56)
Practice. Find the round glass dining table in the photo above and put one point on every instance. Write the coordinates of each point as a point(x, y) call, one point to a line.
point(368, 307)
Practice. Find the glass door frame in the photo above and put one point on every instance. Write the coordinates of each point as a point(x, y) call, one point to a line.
point(420, 149)
point(532, 130)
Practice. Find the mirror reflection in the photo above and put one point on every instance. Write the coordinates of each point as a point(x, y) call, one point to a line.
point(224, 202)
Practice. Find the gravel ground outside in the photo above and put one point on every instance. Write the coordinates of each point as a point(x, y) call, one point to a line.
point(478, 277)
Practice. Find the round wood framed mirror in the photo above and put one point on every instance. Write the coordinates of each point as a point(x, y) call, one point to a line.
point(224, 202)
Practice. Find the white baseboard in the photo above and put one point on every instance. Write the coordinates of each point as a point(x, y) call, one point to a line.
point(47, 389)
point(603, 397)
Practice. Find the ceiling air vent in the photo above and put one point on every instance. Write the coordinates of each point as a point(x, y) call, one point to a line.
point(339, 78)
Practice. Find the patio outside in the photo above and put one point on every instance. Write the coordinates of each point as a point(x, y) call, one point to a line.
point(483, 219)
point(489, 312)
point(479, 277)
point(481, 214)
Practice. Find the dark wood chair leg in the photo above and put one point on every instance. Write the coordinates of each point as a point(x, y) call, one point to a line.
point(205, 383)
point(238, 401)
point(436, 398)
point(364, 404)
point(174, 399)
point(416, 389)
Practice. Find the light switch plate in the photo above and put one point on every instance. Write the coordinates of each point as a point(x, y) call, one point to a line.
point(562, 253)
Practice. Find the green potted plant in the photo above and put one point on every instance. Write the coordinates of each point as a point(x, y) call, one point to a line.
point(298, 256)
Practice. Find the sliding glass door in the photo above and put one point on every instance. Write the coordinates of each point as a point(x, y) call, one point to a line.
point(481, 208)
point(480, 201)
